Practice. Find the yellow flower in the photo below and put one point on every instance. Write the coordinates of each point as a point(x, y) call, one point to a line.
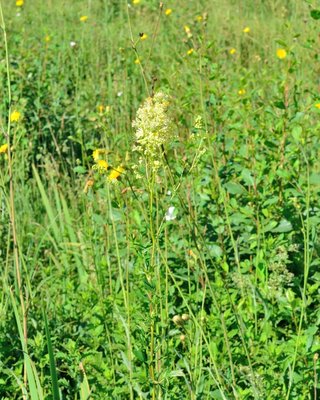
point(317, 105)
point(135, 2)
point(4, 148)
point(15, 116)
point(168, 11)
point(101, 165)
point(281, 53)
point(47, 38)
point(232, 51)
point(190, 51)
point(143, 36)
point(188, 31)
point(241, 92)
point(19, 3)
point(115, 173)
point(100, 109)
point(84, 18)
point(246, 29)
point(98, 153)
point(137, 61)
point(199, 18)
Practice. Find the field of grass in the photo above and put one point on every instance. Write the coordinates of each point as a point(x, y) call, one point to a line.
point(159, 202)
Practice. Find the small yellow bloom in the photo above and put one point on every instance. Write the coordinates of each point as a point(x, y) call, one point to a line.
point(135, 2)
point(199, 18)
point(241, 92)
point(232, 51)
point(190, 51)
point(137, 61)
point(108, 109)
point(102, 165)
point(317, 105)
point(115, 173)
point(281, 53)
point(100, 109)
point(4, 148)
point(19, 3)
point(47, 38)
point(15, 116)
point(97, 153)
point(188, 31)
point(246, 29)
point(84, 18)
point(168, 11)
point(144, 36)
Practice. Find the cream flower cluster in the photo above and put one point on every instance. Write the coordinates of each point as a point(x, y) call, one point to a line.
point(154, 128)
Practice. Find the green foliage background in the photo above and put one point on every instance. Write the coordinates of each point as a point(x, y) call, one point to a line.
point(103, 273)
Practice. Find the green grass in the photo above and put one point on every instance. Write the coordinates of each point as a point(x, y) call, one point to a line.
point(101, 296)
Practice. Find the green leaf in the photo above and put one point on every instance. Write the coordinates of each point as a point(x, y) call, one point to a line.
point(247, 177)
point(234, 188)
point(53, 370)
point(215, 250)
point(315, 14)
point(284, 226)
point(79, 169)
point(296, 133)
point(314, 179)
point(140, 355)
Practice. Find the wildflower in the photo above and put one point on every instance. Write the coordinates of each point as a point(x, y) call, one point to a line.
point(101, 166)
point(115, 174)
point(73, 44)
point(246, 29)
point(4, 148)
point(137, 61)
point(199, 18)
point(170, 214)
point(190, 51)
point(154, 127)
point(317, 105)
point(15, 116)
point(135, 2)
point(143, 36)
point(188, 31)
point(47, 38)
point(232, 51)
point(100, 108)
point(97, 154)
point(119, 94)
point(19, 3)
point(168, 11)
point(191, 254)
point(241, 92)
point(281, 53)
point(83, 18)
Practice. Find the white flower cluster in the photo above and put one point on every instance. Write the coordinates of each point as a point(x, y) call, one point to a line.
point(154, 128)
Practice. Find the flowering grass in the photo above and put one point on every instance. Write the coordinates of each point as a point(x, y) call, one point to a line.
point(160, 183)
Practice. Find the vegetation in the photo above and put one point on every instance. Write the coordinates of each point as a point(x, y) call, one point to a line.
point(160, 184)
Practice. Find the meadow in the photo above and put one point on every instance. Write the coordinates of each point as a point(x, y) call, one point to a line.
point(159, 202)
